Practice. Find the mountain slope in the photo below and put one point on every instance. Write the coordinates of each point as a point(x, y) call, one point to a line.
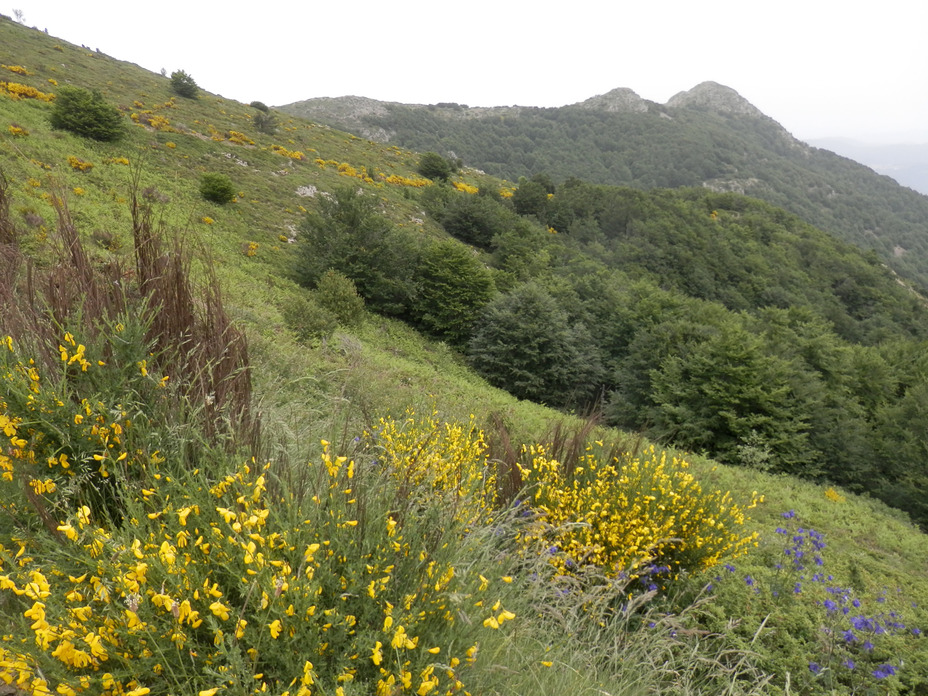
point(708, 136)
point(313, 383)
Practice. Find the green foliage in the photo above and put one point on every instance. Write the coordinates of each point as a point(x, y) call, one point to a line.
point(452, 287)
point(338, 295)
point(347, 233)
point(817, 618)
point(308, 319)
point(523, 343)
point(184, 85)
point(722, 393)
point(531, 198)
point(217, 188)
point(265, 122)
point(434, 166)
point(475, 220)
point(87, 114)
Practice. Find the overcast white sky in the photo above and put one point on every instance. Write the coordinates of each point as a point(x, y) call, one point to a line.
point(819, 67)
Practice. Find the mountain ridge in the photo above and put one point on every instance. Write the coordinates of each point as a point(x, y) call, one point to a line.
point(707, 95)
point(708, 136)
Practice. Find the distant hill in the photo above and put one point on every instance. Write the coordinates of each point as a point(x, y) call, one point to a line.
point(708, 136)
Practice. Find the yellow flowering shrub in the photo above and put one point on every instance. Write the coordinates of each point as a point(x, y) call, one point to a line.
point(54, 435)
point(625, 514)
point(250, 249)
point(440, 458)
point(415, 182)
point(294, 154)
point(77, 164)
point(151, 120)
point(18, 69)
point(17, 130)
point(18, 91)
point(239, 138)
point(258, 580)
point(466, 188)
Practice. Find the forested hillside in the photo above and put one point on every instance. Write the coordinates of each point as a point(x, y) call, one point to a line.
point(708, 136)
point(713, 321)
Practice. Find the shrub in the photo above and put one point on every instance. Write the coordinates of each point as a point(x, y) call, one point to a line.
point(631, 515)
point(86, 114)
point(260, 106)
point(217, 188)
point(265, 122)
point(475, 220)
point(20, 91)
point(308, 320)
point(183, 84)
point(348, 233)
point(453, 286)
point(77, 164)
point(524, 343)
point(338, 294)
point(434, 166)
point(247, 575)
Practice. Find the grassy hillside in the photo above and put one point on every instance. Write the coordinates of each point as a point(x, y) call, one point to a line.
point(423, 532)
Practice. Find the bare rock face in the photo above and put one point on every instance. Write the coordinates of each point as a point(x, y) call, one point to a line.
point(622, 100)
point(715, 97)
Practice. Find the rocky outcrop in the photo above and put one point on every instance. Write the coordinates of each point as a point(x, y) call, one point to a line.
point(714, 97)
point(621, 100)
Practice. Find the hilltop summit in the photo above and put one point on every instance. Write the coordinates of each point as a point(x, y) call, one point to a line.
point(621, 100)
point(715, 97)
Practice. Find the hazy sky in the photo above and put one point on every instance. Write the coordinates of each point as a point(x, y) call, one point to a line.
point(819, 67)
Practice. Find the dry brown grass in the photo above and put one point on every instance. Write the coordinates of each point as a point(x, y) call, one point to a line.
point(190, 333)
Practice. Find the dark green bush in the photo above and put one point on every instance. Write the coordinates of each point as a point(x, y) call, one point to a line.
point(183, 84)
point(85, 113)
point(523, 342)
point(265, 122)
point(453, 286)
point(217, 188)
point(347, 232)
point(260, 106)
point(434, 166)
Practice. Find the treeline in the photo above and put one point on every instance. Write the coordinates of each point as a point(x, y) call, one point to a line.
point(713, 321)
point(673, 147)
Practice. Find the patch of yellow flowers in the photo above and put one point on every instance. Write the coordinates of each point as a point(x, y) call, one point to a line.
point(626, 514)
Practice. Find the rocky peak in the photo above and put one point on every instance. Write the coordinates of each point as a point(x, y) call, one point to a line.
point(715, 97)
point(618, 100)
